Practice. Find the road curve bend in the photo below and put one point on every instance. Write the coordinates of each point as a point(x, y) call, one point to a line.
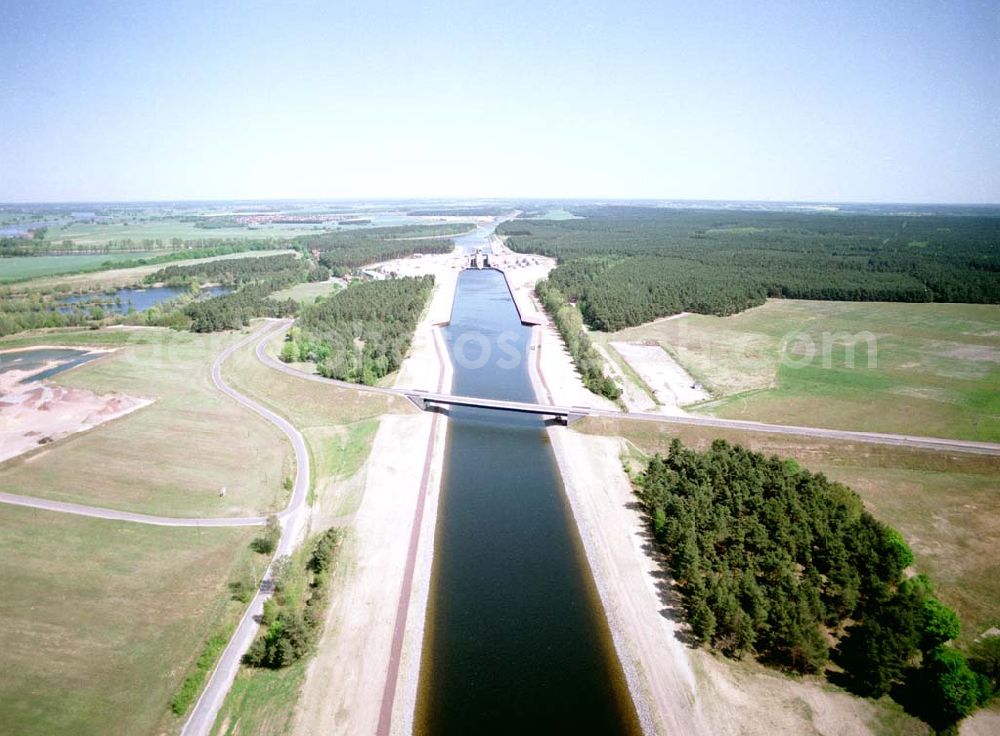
point(202, 717)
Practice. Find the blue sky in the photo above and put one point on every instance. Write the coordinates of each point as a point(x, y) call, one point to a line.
point(816, 101)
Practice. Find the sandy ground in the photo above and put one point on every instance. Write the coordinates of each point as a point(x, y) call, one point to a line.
point(346, 680)
point(674, 387)
point(656, 664)
point(676, 689)
point(560, 381)
point(633, 396)
point(39, 413)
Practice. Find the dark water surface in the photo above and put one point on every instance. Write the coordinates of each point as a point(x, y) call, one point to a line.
point(26, 360)
point(516, 639)
point(139, 300)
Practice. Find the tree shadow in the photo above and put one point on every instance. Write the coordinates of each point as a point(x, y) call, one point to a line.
point(671, 601)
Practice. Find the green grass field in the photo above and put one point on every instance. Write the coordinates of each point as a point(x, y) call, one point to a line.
point(103, 620)
point(261, 701)
point(100, 233)
point(932, 369)
point(945, 505)
point(106, 279)
point(171, 457)
point(21, 268)
point(338, 424)
point(309, 292)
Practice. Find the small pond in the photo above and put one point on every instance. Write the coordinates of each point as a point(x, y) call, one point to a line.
point(119, 302)
point(29, 360)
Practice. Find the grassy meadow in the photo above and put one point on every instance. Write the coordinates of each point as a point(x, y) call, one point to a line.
point(945, 505)
point(338, 424)
point(171, 457)
point(929, 369)
point(97, 278)
point(309, 292)
point(103, 620)
point(101, 233)
point(21, 268)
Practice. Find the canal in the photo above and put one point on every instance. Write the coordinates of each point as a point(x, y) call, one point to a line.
point(516, 638)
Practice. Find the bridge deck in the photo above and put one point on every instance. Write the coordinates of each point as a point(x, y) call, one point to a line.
point(568, 413)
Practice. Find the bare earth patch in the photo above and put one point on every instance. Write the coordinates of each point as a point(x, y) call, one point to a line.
point(674, 387)
point(38, 414)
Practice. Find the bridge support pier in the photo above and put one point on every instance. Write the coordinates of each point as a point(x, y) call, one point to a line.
point(418, 401)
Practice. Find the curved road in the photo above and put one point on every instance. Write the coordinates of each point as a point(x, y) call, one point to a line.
point(203, 715)
point(292, 518)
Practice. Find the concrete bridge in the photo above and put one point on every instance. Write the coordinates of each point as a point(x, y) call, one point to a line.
point(564, 415)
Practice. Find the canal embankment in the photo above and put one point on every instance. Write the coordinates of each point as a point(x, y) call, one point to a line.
point(634, 589)
point(515, 639)
point(364, 657)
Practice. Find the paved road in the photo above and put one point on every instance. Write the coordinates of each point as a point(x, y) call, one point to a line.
point(293, 518)
point(936, 444)
point(102, 513)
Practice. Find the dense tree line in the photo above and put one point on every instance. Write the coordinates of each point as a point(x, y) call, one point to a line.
point(255, 278)
point(629, 265)
point(343, 251)
point(778, 562)
point(219, 248)
point(234, 311)
point(570, 325)
point(11, 247)
point(35, 247)
point(361, 333)
point(291, 624)
point(278, 270)
point(34, 311)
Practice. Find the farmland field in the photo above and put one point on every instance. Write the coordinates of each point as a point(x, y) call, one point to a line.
point(117, 277)
point(933, 369)
point(21, 268)
point(170, 458)
point(102, 620)
point(164, 230)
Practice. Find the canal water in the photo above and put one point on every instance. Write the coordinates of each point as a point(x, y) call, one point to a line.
point(516, 638)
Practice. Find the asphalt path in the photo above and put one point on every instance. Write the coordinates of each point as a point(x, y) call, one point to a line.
point(203, 715)
point(112, 515)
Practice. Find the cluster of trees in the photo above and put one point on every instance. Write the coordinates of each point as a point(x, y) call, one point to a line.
point(34, 311)
point(256, 278)
point(778, 562)
point(183, 251)
point(279, 270)
point(570, 325)
point(343, 251)
point(293, 616)
point(361, 333)
point(10, 247)
point(233, 311)
point(628, 265)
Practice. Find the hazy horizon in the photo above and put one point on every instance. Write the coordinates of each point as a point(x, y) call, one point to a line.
point(778, 103)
